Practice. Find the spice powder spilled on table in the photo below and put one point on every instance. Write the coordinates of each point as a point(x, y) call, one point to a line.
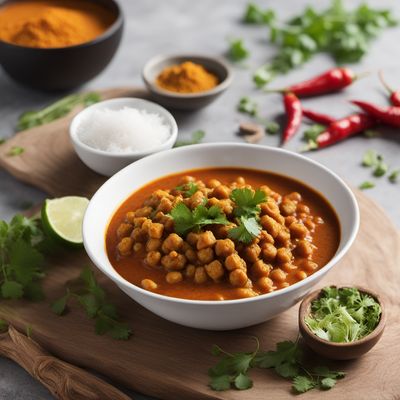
point(53, 23)
point(187, 77)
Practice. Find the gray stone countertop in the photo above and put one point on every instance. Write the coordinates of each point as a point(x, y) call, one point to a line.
point(154, 27)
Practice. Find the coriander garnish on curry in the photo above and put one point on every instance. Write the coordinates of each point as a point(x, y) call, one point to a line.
point(221, 234)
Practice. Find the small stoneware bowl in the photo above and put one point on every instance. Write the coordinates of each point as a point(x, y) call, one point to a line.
point(106, 163)
point(63, 68)
point(340, 351)
point(186, 101)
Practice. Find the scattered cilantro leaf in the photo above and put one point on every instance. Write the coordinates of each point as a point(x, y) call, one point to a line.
point(197, 137)
point(302, 384)
point(343, 315)
point(248, 106)
point(393, 177)
point(380, 169)
point(186, 220)
point(188, 189)
point(12, 290)
point(272, 127)
point(255, 15)
point(16, 151)
point(366, 185)
point(56, 110)
point(247, 201)
point(243, 382)
point(92, 298)
point(370, 158)
point(238, 50)
point(312, 133)
point(246, 231)
point(263, 75)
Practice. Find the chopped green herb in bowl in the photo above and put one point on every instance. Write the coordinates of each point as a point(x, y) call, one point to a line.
point(341, 323)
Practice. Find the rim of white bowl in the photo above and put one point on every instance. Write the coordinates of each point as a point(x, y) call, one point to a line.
point(164, 113)
point(116, 277)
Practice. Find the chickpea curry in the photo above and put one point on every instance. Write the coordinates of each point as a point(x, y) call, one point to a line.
point(221, 234)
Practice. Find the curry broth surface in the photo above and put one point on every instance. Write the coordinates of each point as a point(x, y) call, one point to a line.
point(133, 268)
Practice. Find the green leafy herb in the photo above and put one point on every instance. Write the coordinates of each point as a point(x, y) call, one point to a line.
point(237, 50)
point(186, 220)
point(344, 34)
point(2, 140)
point(20, 258)
point(246, 231)
point(56, 110)
point(248, 106)
point(255, 15)
point(343, 315)
point(188, 189)
point(366, 185)
point(312, 133)
point(232, 370)
point(247, 201)
point(370, 158)
point(393, 177)
point(16, 151)
point(92, 298)
point(380, 169)
point(272, 127)
point(197, 137)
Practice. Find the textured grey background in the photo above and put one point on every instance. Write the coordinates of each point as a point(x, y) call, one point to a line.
point(156, 26)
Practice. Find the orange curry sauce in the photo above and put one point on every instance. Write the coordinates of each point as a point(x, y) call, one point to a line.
point(133, 269)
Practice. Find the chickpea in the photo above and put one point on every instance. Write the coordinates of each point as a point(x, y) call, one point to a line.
point(309, 265)
point(295, 196)
point(143, 212)
point(238, 277)
point(206, 255)
point(205, 239)
point(192, 238)
point(138, 235)
point(153, 244)
point(269, 252)
point(302, 208)
point(265, 284)
point(190, 270)
point(224, 247)
point(196, 199)
point(191, 255)
point(165, 205)
point(243, 293)
point(156, 230)
point(172, 242)
point(234, 261)
point(221, 192)
point(215, 270)
point(221, 231)
point(290, 219)
point(288, 267)
point(288, 207)
point(146, 225)
point(304, 248)
point(138, 221)
point(148, 284)
point(200, 275)
point(173, 277)
point(300, 275)
point(240, 181)
point(309, 224)
point(298, 230)
point(260, 268)
point(137, 247)
point(252, 252)
point(283, 238)
point(130, 217)
point(186, 179)
point(265, 237)
point(124, 230)
point(125, 246)
point(277, 275)
point(269, 208)
point(153, 258)
point(213, 183)
point(270, 225)
point(283, 255)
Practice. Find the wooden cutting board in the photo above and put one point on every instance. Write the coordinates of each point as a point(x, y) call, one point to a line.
point(166, 360)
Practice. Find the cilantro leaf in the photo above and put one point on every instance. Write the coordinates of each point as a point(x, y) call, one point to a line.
point(243, 382)
point(197, 137)
point(254, 15)
point(313, 132)
point(366, 185)
point(302, 384)
point(246, 231)
point(186, 220)
point(237, 50)
point(370, 158)
point(188, 189)
point(328, 383)
point(380, 169)
point(16, 151)
point(12, 290)
point(220, 382)
point(247, 106)
point(247, 201)
point(393, 177)
point(59, 306)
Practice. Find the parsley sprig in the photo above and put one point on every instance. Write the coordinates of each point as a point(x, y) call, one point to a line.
point(233, 368)
point(21, 260)
point(92, 298)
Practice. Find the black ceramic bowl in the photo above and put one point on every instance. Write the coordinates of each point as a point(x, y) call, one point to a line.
point(65, 67)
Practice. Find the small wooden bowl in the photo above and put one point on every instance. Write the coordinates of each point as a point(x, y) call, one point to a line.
point(340, 351)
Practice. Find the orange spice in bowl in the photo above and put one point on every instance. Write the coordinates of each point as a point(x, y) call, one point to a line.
point(53, 23)
point(187, 77)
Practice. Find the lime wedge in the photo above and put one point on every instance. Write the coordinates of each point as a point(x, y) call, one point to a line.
point(62, 219)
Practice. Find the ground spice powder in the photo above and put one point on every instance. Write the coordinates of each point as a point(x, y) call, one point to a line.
point(187, 77)
point(53, 23)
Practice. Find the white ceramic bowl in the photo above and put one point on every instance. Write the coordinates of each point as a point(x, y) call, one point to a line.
point(109, 163)
point(229, 314)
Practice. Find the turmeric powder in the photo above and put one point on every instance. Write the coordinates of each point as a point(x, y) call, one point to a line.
point(53, 23)
point(187, 77)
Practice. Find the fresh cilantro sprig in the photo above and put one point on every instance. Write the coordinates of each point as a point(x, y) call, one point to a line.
point(92, 298)
point(238, 50)
point(247, 106)
point(56, 110)
point(366, 185)
point(188, 189)
point(255, 15)
point(343, 315)
point(197, 137)
point(187, 220)
point(21, 260)
point(394, 175)
point(246, 212)
point(233, 368)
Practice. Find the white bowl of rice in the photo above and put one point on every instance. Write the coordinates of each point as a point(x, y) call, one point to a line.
point(112, 134)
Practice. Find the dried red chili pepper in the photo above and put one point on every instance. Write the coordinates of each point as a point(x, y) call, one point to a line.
point(317, 117)
point(394, 94)
point(294, 113)
point(345, 127)
point(387, 115)
point(330, 81)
